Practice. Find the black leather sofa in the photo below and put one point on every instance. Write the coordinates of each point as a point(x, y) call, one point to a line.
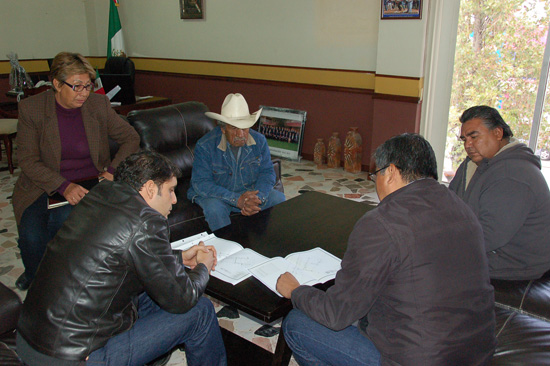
point(173, 131)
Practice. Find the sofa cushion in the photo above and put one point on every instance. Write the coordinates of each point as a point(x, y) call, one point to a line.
point(525, 297)
point(521, 339)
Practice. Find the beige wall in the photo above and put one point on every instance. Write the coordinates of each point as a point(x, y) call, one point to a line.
point(345, 34)
point(40, 28)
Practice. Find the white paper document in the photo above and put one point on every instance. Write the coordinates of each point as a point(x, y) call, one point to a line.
point(236, 263)
point(309, 267)
point(233, 259)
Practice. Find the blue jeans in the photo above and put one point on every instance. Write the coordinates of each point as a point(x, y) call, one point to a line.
point(157, 332)
point(315, 344)
point(216, 212)
point(37, 227)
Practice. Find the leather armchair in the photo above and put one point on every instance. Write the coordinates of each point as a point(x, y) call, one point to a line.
point(174, 131)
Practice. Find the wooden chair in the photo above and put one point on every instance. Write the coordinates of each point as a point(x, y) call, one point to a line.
point(8, 130)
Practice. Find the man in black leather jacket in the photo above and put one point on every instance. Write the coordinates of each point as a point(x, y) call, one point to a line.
point(110, 290)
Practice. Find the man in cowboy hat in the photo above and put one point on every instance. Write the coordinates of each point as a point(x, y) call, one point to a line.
point(232, 170)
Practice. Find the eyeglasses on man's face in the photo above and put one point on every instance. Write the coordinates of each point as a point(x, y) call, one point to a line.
point(80, 87)
point(372, 175)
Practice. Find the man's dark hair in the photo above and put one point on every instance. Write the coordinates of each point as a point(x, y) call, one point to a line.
point(146, 165)
point(411, 154)
point(490, 117)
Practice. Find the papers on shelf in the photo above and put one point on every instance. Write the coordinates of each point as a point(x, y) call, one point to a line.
point(143, 98)
point(236, 263)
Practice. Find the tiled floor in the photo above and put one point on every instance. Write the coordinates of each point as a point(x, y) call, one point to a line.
point(297, 178)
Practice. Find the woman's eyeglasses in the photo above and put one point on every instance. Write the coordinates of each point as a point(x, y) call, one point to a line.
point(79, 88)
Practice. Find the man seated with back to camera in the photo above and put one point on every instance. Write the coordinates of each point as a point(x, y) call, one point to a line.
point(414, 286)
point(502, 182)
point(110, 291)
point(232, 168)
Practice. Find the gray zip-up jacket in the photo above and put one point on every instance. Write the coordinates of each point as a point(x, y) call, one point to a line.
point(511, 199)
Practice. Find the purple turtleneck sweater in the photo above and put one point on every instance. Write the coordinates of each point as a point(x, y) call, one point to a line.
point(76, 162)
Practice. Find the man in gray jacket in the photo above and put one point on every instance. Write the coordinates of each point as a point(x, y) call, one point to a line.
point(414, 276)
point(501, 181)
point(110, 290)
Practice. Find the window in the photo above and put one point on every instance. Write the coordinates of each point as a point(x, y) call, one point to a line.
point(499, 55)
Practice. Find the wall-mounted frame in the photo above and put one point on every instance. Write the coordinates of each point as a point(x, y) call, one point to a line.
point(284, 130)
point(401, 9)
point(192, 9)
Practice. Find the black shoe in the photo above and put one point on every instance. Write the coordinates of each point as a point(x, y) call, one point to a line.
point(22, 282)
point(161, 361)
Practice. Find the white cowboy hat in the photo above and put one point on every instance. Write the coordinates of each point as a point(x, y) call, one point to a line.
point(235, 112)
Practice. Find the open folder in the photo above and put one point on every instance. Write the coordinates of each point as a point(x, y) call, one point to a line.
point(236, 263)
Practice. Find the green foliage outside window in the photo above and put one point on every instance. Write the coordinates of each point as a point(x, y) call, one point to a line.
point(499, 52)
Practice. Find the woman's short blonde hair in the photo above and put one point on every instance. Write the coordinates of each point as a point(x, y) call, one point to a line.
point(67, 64)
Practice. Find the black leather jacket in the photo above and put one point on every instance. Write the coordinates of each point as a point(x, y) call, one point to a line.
point(112, 247)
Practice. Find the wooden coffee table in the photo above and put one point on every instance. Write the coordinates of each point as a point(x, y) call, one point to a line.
point(310, 220)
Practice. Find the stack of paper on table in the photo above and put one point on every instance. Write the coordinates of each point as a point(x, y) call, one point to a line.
point(235, 263)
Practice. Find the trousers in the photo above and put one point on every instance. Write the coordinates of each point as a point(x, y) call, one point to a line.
point(157, 332)
point(216, 212)
point(37, 227)
point(314, 344)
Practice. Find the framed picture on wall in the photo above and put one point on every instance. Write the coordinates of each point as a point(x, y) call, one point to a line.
point(284, 131)
point(401, 9)
point(192, 9)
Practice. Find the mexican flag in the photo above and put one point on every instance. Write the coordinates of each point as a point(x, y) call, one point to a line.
point(115, 43)
point(98, 84)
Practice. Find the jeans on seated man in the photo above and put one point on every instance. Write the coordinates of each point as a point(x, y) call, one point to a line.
point(232, 168)
point(110, 291)
point(501, 180)
point(414, 277)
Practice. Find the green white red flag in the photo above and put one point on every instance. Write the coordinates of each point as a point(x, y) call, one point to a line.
point(115, 42)
point(98, 84)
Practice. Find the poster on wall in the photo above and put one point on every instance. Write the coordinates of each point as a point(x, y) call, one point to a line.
point(401, 9)
point(192, 9)
point(284, 130)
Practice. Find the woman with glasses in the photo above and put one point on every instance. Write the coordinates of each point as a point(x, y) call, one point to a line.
point(62, 139)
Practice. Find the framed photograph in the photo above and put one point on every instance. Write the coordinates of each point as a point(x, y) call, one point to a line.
point(192, 9)
point(401, 9)
point(284, 130)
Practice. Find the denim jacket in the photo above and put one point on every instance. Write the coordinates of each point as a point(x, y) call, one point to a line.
point(217, 174)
